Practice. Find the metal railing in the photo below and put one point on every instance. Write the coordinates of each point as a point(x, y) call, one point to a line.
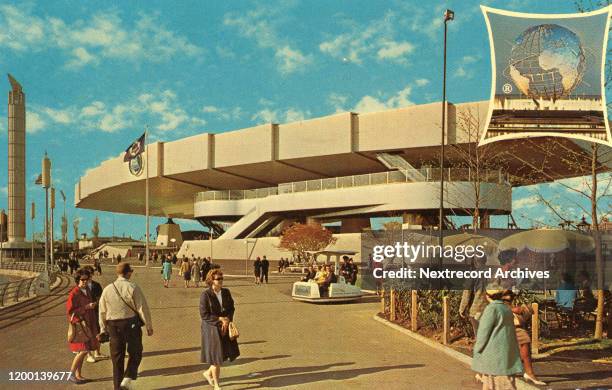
point(236, 194)
point(388, 177)
point(15, 291)
point(12, 292)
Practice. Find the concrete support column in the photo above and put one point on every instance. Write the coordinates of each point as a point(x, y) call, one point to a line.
point(354, 225)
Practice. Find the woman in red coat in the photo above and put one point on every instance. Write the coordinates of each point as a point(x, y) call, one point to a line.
point(81, 307)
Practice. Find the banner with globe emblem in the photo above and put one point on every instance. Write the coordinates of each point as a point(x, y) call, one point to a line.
point(548, 75)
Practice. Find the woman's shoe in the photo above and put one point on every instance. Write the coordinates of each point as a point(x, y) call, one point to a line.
point(533, 380)
point(208, 378)
point(217, 387)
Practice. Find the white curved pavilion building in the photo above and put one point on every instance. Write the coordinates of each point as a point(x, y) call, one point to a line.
point(248, 184)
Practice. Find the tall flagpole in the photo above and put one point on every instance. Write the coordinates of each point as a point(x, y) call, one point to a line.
point(147, 195)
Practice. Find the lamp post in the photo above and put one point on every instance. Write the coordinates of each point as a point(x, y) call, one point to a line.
point(64, 220)
point(52, 222)
point(32, 216)
point(1, 235)
point(46, 183)
point(448, 16)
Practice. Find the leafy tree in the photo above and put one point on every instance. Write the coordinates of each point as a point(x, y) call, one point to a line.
point(300, 238)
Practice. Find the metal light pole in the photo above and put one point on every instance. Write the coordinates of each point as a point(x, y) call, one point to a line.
point(64, 236)
point(448, 16)
point(46, 183)
point(52, 222)
point(1, 235)
point(32, 216)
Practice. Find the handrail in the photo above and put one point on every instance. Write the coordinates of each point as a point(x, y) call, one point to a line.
point(11, 292)
point(14, 291)
point(387, 177)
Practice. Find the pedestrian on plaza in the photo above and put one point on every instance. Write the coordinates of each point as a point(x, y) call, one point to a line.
point(113, 259)
point(522, 315)
point(496, 351)
point(96, 265)
point(186, 271)
point(195, 274)
point(257, 269)
point(354, 271)
point(265, 267)
point(118, 258)
point(123, 313)
point(204, 268)
point(281, 264)
point(95, 291)
point(80, 309)
point(474, 297)
point(216, 311)
point(166, 271)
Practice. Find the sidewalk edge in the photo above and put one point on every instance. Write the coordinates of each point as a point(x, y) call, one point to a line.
point(520, 384)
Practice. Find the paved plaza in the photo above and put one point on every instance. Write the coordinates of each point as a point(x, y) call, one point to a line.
point(284, 344)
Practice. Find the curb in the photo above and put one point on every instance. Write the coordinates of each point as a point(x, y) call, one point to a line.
point(465, 359)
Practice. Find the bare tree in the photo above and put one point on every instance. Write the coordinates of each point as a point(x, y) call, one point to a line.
point(480, 166)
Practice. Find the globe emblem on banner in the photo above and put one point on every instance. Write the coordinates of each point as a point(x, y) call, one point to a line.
point(547, 61)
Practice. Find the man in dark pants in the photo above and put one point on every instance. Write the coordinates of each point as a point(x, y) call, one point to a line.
point(265, 266)
point(123, 311)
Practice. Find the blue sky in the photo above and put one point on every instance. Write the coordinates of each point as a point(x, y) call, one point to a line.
point(96, 72)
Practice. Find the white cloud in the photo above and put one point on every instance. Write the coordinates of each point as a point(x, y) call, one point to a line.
point(4, 190)
point(375, 40)
point(86, 41)
point(81, 57)
point(225, 114)
point(291, 60)
point(464, 69)
point(59, 116)
point(208, 109)
point(268, 115)
point(261, 26)
point(337, 101)
point(394, 50)
point(526, 202)
point(94, 109)
point(421, 82)
point(372, 104)
point(34, 122)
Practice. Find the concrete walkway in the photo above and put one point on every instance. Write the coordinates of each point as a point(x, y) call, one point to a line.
point(284, 344)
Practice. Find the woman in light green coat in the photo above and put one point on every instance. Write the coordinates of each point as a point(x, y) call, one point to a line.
point(496, 351)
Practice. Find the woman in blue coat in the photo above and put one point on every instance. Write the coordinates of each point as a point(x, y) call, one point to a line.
point(166, 271)
point(496, 351)
point(217, 311)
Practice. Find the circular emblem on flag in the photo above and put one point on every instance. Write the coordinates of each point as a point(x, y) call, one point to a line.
point(136, 165)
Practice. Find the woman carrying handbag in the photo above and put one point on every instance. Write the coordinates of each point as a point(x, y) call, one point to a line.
point(80, 309)
point(217, 312)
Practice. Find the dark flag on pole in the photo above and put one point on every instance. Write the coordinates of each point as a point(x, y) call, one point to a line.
point(39, 180)
point(135, 149)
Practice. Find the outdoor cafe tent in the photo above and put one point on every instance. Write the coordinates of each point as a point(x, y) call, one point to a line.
point(548, 241)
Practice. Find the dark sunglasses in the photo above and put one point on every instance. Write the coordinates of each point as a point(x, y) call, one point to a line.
point(219, 279)
point(84, 280)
